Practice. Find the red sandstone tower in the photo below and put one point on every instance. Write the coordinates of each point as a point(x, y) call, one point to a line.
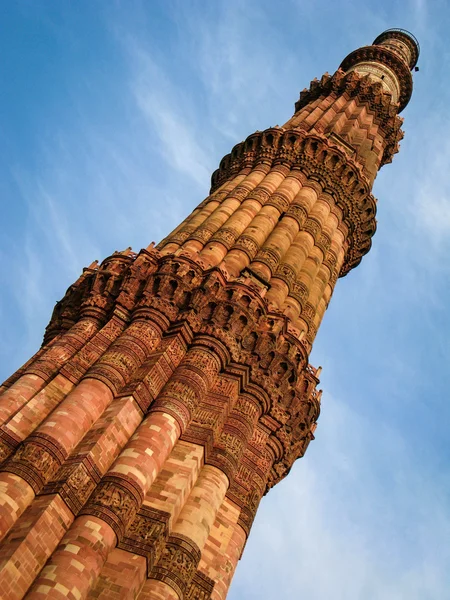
point(173, 388)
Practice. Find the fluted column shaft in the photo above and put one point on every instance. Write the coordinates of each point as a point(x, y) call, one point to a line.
point(30, 383)
point(41, 455)
point(182, 553)
point(130, 477)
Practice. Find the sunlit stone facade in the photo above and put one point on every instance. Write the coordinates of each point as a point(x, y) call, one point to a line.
point(173, 388)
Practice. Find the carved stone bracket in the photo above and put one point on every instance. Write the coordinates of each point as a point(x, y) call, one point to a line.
point(36, 460)
point(201, 587)
point(115, 501)
point(147, 535)
point(74, 482)
point(178, 563)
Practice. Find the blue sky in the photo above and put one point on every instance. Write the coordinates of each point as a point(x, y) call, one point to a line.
point(113, 116)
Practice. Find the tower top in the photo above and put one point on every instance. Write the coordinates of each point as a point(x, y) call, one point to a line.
point(389, 60)
point(402, 43)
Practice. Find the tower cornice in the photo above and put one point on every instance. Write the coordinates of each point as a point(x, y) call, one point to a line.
point(385, 56)
point(405, 38)
point(367, 91)
point(321, 160)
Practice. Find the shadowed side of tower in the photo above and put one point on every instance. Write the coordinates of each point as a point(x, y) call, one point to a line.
point(173, 388)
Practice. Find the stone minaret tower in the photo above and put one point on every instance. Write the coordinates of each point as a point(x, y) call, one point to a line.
point(173, 387)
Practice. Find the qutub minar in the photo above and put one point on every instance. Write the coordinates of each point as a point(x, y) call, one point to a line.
point(173, 387)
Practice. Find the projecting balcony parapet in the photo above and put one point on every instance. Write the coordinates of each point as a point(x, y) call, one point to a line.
point(387, 61)
point(320, 162)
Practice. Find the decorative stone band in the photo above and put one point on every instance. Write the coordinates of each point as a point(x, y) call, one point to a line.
point(384, 56)
point(115, 501)
point(178, 563)
point(155, 372)
point(75, 482)
point(147, 535)
point(211, 413)
point(101, 290)
point(201, 587)
point(249, 486)
point(128, 353)
point(73, 340)
point(231, 313)
point(67, 312)
point(37, 460)
point(320, 160)
point(234, 436)
point(8, 444)
point(87, 298)
point(227, 328)
point(290, 441)
point(355, 85)
point(76, 368)
point(380, 73)
point(189, 384)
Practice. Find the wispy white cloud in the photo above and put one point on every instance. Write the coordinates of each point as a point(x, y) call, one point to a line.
point(430, 206)
point(242, 80)
point(164, 110)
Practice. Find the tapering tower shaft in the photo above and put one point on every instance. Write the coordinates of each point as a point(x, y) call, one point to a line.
point(173, 388)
